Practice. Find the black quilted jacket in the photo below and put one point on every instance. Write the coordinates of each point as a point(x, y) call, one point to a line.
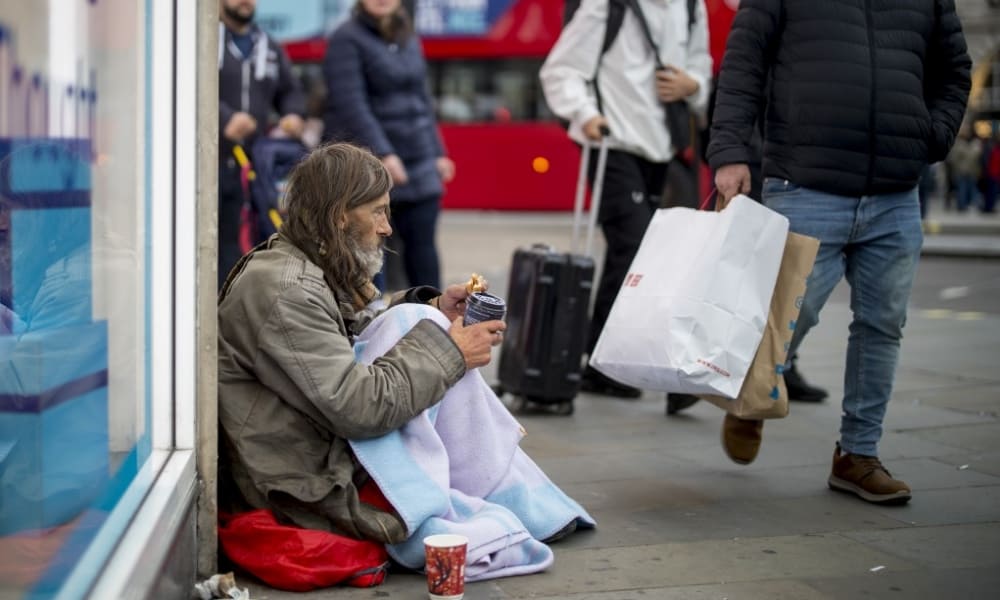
point(864, 92)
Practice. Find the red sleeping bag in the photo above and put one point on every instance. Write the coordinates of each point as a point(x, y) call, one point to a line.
point(295, 559)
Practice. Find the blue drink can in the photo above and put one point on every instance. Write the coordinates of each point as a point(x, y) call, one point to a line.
point(481, 306)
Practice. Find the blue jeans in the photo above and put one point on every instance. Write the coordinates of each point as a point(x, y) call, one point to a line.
point(965, 192)
point(875, 242)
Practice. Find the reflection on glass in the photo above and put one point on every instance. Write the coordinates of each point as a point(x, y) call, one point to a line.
point(71, 359)
point(53, 354)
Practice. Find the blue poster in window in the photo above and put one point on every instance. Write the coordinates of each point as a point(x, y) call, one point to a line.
point(458, 17)
point(286, 20)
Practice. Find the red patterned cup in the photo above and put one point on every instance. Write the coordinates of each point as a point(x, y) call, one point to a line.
point(445, 554)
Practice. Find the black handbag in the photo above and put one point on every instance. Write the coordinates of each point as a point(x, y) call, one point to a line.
point(678, 117)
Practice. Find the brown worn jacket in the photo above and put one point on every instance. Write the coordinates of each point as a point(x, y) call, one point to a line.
point(291, 393)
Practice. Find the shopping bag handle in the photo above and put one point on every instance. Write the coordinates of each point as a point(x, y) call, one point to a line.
point(712, 194)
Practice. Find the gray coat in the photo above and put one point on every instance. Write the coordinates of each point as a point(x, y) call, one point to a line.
point(291, 393)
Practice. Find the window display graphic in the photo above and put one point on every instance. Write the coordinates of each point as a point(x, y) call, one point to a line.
point(457, 17)
point(54, 458)
point(303, 19)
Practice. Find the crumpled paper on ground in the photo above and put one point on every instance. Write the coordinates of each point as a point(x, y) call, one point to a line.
point(220, 585)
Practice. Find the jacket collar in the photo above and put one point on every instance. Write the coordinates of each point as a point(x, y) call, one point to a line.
point(260, 46)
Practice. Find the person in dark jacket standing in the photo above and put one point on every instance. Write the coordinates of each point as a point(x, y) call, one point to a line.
point(863, 95)
point(255, 79)
point(377, 97)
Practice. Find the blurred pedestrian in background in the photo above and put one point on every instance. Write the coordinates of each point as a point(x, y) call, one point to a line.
point(990, 173)
point(626, 87)
point(377, 97)
point(964, 166)
point(255, 80)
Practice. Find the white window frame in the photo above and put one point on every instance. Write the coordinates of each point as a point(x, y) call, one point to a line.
point(163, 491)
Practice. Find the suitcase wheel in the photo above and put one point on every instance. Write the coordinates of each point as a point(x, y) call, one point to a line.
point(517, 404)
point(564, 408)
point(540, 405)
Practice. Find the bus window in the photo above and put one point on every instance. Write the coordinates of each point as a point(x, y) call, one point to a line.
point(499, 90)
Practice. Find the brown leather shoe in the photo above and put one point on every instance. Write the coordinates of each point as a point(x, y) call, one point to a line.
point(867, 478)
point(741, 438)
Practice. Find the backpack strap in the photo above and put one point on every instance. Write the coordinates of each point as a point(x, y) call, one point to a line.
point(616, 16)
point(634, 5)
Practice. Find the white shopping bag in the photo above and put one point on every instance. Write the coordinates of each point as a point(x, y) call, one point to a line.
point(692, 309)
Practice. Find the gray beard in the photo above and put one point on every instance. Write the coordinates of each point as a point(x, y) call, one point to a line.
point(370, 259)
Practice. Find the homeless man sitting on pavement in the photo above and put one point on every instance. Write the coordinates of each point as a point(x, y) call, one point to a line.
point(322, 396)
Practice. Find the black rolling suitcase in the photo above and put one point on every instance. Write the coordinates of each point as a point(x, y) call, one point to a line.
point(547, 312)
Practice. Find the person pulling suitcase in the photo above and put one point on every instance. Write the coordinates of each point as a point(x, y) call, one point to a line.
point(626, 85)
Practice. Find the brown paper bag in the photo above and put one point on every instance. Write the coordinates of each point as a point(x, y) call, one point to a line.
point(763, 395)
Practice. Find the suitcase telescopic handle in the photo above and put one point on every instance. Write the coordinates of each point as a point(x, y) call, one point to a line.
point(595, 193)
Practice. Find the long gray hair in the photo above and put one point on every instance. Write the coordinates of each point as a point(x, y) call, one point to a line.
point(329, 182)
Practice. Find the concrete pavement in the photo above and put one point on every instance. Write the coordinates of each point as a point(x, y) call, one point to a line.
point(677, 519)
point(969, 234)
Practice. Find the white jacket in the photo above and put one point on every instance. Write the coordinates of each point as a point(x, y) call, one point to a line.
point(626, 78)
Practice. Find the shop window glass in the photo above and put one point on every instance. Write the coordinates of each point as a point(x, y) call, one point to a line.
point(74, 306)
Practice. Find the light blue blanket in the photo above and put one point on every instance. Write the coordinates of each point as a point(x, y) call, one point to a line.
point(457, 468)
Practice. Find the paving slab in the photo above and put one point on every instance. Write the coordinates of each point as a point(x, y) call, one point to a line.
point(973, 505)
point(961, 245)
point(752, 590)
point(947, 547)
point(936, 584)
point(704, 562)
point(982, 462)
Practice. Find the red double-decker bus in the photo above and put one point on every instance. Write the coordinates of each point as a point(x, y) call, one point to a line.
point(483, 57)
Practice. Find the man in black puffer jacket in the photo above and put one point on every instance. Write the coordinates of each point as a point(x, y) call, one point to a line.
point(864, 94)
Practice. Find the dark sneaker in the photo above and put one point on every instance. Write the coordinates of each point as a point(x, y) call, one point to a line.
point(741, 438)
point(867, 478)
point(678, 402)
point(596, 383)
point(799, 389)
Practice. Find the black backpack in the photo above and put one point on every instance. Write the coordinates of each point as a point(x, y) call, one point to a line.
point(678, 117)
point(616, 14)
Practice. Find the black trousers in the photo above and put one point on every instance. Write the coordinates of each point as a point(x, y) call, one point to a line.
point(230, 204)
point(414, 258)
point(630, 196)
